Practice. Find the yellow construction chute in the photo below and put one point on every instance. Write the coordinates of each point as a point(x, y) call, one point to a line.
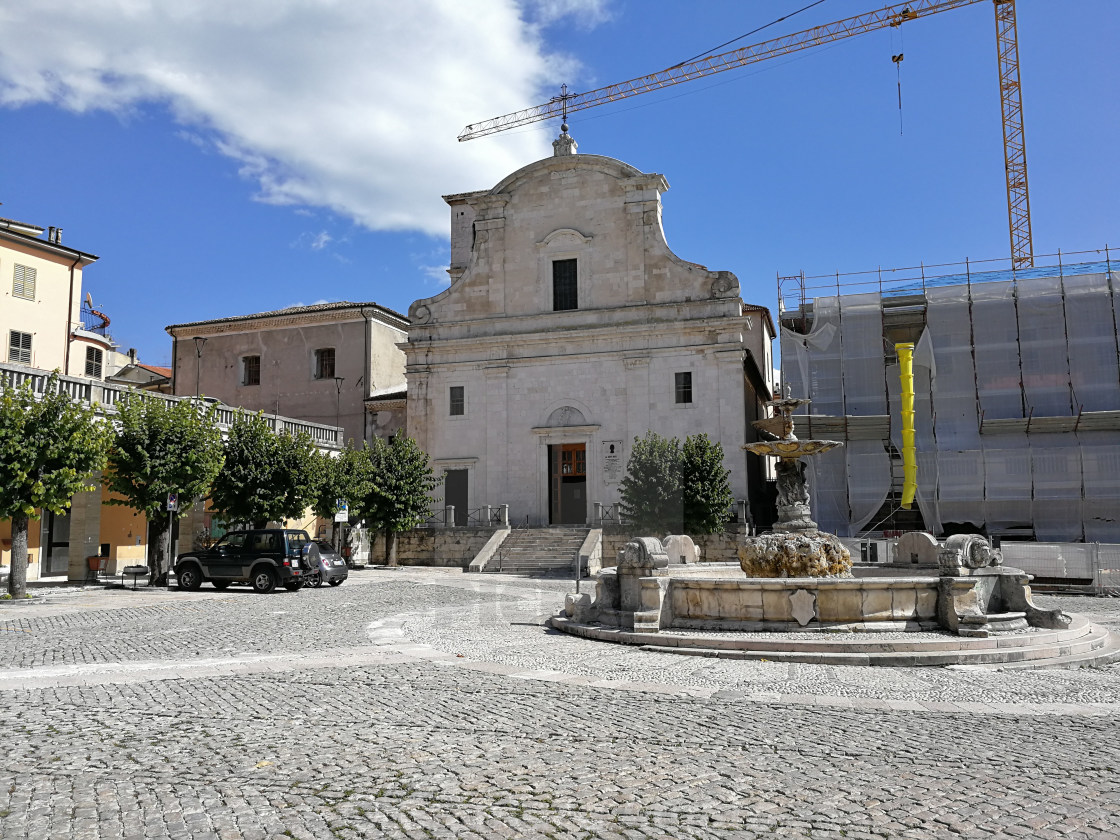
point(909, 459)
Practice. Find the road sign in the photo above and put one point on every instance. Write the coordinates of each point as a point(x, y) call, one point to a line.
point(342, 511)
point(172, 501)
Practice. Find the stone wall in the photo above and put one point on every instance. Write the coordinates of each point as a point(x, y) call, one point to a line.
point(433, 546)
point(714, 548)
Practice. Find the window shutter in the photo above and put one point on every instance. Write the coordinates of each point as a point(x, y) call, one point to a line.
point(19, 347)
point(94, 358)
point(23, 283)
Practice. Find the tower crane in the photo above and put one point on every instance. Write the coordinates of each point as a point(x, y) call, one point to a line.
point(1007, 50)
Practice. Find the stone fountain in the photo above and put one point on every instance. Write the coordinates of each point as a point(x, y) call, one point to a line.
point(798, 581)
point(797, 547)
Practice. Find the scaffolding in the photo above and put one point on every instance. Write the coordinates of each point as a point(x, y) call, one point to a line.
point(1017, 396)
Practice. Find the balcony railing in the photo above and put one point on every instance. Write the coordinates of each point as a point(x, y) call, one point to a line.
point(107, 397)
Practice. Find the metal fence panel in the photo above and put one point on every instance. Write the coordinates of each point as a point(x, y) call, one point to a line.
point(1108, 568)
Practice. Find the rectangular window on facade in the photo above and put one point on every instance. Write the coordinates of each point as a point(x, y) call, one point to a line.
point(23, 282)
point(19, 347)
point(682, 389)
point(324, 363)
point(564, 291)
point(94, 358)
point(458, 400)
point(250, 370)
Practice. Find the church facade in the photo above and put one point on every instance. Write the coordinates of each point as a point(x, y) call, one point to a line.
point(569, 329)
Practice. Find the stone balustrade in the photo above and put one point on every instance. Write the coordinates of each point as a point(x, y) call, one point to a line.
point(107, 396)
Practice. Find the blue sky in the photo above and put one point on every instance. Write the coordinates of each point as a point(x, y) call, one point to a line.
point(224, 159)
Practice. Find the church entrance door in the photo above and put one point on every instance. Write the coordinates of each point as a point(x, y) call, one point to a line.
point(567, 484)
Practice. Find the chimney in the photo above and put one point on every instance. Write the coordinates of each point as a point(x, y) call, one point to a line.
point(132, 355)
point(57, 236)
point(50, 234)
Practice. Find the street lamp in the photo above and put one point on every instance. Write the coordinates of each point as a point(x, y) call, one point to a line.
point(338, 380)
point(199, 342)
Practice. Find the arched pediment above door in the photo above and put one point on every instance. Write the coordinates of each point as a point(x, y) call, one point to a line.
point(566, 416)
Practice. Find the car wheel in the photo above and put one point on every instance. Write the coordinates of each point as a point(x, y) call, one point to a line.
point(190, 578)
point(336, 582)
point(264, 581)
point(220, 584)
point(314, 580)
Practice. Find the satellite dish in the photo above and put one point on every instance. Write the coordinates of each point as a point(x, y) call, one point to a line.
point(89, 300)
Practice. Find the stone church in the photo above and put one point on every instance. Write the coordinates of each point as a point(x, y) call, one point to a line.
point(569, 329)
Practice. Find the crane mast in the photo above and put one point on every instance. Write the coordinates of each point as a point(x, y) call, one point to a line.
point(1014, 144)
point(1018, 203)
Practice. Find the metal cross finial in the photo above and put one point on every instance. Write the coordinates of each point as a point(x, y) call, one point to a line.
point(563, 100)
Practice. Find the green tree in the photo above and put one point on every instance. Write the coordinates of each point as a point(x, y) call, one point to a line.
point(707, 491)
point(651, 491)
point(342, 476)
point(397, 490)
point(266, 477)
point(162, 447)
point(48, 448)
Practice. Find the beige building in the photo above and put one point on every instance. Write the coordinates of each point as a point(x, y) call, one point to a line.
point(320, 363)
point(40, 303)
point(568, 330)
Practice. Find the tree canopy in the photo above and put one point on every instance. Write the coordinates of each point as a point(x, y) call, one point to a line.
point(162, 447)
point(339, 477)
point(266, 476)
point(49, 448)
point(394, 493)
point(651, 494)
point(670, 488)
point(707, 491)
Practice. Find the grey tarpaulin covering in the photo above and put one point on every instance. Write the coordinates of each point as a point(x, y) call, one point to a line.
point(1004, 372)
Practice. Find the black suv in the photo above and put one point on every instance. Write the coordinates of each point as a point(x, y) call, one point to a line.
point(262, 558)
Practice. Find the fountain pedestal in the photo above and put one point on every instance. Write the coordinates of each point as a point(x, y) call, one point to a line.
point(797, 547)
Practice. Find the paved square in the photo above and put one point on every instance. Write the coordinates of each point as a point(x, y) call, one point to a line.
point(430, 704)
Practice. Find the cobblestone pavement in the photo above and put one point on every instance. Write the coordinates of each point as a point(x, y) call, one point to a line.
point(431, 704)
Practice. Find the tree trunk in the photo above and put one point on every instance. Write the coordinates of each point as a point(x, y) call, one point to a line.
point(390, 548)
point(158, 552)
point(17, 577)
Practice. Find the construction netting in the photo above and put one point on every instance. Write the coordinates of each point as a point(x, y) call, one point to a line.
point(1006, 373)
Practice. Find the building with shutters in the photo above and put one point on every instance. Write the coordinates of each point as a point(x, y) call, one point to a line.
point(41, 317)
point(331, 363)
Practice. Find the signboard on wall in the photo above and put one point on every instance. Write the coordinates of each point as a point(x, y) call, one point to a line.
point(614, 467)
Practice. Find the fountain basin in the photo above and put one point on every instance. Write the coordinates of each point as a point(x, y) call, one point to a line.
point(803, 604)
point(692, 601)
point(791, 448)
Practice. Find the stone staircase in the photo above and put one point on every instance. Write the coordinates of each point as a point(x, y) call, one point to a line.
point(540, 551)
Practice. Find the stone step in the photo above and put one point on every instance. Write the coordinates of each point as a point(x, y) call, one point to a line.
point(539, 551)
point(1106, 654)
point(1081, 645)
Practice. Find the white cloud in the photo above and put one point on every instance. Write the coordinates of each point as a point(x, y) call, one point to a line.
point(435, 276)
point(350, 105)
point(586, 13)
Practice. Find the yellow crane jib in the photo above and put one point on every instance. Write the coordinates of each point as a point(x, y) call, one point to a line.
point(909, 459)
